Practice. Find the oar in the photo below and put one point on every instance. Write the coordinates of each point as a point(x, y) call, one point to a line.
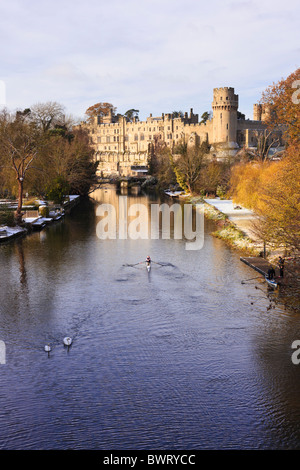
point(160, 264)
point(257, 277)
point(135, 264)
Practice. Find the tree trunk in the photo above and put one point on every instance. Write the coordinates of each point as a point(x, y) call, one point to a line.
point(20, 201)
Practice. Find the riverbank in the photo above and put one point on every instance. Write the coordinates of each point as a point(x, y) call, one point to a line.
point(234, 223)
point(35, 220)
point(235, 229)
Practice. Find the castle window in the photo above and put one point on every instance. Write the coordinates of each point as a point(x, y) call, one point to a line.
point(99, 140)
point(220, 115)
point(136, 137)
point(142, 137)
point(226, 126)
point(107, 139)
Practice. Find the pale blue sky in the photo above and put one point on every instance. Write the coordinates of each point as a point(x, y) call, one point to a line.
point(156, 56)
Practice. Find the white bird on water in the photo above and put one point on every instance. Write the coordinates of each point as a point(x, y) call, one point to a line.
point(47, 348)
point(67, 341)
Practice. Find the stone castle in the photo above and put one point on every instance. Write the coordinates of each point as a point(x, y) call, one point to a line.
point(122, 147)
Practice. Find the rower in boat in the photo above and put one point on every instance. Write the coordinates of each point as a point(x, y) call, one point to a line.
point(148, 262)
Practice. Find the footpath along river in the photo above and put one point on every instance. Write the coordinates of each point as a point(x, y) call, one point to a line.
point(184, 357)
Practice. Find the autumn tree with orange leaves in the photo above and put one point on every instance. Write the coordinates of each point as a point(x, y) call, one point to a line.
point(282, 100)
point(99, 109)
point(272, 189)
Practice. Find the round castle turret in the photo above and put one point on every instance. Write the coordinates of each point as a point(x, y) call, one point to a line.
point(225, 106)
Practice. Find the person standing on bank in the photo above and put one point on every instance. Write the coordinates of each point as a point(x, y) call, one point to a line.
point(271, 273)
point(281, 266)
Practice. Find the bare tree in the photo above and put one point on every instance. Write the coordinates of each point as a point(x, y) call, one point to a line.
point(265, 141)
point(47, 115)
point(18, 147)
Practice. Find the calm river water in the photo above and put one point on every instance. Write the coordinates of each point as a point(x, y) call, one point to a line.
point(184, 357)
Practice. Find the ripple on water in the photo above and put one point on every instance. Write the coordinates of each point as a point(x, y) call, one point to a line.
point(185, 357)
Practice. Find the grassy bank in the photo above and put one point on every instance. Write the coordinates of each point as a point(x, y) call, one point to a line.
point(227, 230)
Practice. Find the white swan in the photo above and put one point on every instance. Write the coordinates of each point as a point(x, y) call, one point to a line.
point(47, 348)
point(67, 341)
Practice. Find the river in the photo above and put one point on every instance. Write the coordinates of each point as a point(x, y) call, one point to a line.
point(184, 357)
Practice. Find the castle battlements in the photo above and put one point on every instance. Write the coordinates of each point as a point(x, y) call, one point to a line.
point(119, 142)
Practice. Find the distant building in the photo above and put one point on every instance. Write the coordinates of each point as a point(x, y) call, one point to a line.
point(122, 147)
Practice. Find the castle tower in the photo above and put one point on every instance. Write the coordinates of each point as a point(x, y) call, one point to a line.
point(257, 111)
point(107, 118)
point(225, 106)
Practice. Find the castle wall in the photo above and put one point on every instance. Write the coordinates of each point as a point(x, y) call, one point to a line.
point(120, 145)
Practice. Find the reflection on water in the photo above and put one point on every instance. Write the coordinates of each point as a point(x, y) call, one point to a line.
point(183, 357)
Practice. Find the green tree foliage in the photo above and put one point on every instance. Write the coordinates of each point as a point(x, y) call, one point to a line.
point(57, 189)
point(177, 114)
point(205, 117)
point(132, 114)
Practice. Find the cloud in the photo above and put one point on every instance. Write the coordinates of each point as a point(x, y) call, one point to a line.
point(155, 56)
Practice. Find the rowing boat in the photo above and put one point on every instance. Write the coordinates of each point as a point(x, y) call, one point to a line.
point(148, 266)
point(271, 282)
